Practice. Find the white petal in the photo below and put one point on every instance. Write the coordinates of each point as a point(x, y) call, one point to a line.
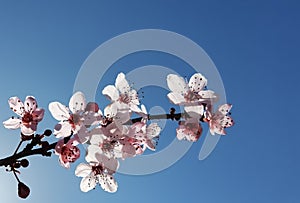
point(83, 170)
point(176, 84)
point(197, 82)
point(122, 84)
point(16, 105)
point(62, 129)
point(59, 111)
point(28, 130)
point(88, 183)
point(12, 123)
point(111, 92)
point(97, 137)
point(208, 95)
point(108, 183)
point(194, 111)
point(30, 104)
point(134, 99)
point(224, 109)
point(176, 98)
point(135, 109)
point(153, 130)
point(77, 102)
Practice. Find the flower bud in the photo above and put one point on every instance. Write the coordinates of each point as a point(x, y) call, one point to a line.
point(47, 132)
point(24, 163)
point(23, 190)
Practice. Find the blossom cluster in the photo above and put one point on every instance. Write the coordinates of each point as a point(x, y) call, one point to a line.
point(110, 135)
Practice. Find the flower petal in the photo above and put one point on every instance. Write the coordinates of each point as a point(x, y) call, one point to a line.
point(111, 92)
point(197, 82)
point(77, 102)
point(28, 130)
point(12, 123)
point(16, 105)
point(177, 84)
point(30, 104)
point(59, 111)
point(176, 98)
point(194, 111)
point(153, 130)
point(122, 84)
point(38, 114)
point(83, 170)
point(62, 129)
point(88, 183)
point(108, 183)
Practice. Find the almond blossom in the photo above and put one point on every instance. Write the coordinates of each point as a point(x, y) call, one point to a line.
point(219, 120)
point(30, 115)
point(68, 153)
point(99, 170)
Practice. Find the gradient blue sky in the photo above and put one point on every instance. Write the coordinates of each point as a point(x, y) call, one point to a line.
point(255, 46)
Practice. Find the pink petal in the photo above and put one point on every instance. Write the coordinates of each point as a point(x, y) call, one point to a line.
point(38, 114)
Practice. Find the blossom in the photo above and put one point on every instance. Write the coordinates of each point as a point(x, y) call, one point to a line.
point(68, 153)
point(146, 135)
point(100, 171)
point(111, 142)
point(30, 115)
point(70, 119)
point(220, 120)
point(191, 95)
point(189, 130)
point(76, 118)
point(122, 93)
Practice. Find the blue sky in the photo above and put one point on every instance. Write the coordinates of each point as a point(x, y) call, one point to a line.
point(254, 45)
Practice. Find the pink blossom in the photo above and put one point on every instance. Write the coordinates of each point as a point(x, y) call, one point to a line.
point(29, 112)
point(68, 153)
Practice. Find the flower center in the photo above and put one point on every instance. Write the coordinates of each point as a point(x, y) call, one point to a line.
point(74, 120)
point(125, 98)
point(97, 169)
point(27, 118)
point(191, 96)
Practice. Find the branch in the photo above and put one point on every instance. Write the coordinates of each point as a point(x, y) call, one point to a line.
point(44, 150)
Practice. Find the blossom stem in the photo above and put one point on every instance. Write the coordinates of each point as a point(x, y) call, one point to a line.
point(18, 147)
point(14, 172)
